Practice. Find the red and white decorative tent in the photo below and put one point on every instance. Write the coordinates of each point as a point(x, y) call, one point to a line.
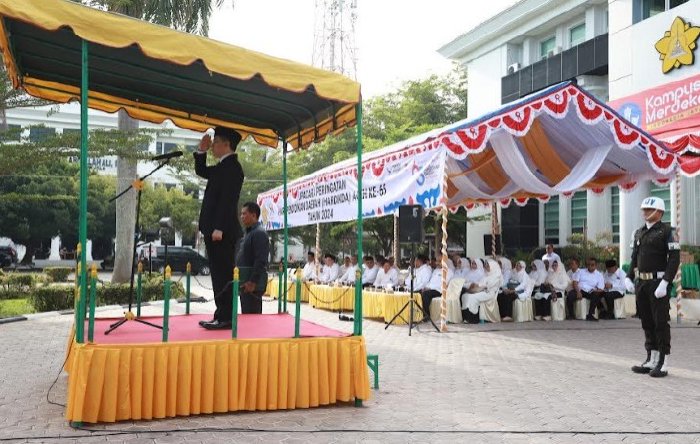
point(557, 141)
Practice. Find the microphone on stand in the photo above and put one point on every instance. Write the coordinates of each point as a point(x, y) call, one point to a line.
point(168, 156)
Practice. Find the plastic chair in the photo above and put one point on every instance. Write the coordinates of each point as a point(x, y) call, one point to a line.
point(454, 303)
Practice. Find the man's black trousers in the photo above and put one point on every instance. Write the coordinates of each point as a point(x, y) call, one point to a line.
point(654, 313)
point(221, 259)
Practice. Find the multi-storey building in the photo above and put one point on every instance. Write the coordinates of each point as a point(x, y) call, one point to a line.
point(609, 48)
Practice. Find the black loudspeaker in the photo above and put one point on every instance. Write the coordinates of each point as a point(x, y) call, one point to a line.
point(411, 224)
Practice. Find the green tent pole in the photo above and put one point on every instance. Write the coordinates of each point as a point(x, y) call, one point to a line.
point(280, 282)
point(286, 229)
point(358, 288)
point(188, 295)
point(83, 184)
point(93, 297)
point(234, 302)
point(297, 304)
point(166, 303)
point(139, 288)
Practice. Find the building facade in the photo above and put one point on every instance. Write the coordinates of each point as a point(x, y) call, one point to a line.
point(607, 47)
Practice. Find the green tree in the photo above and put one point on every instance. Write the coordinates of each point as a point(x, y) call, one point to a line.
point(415, 107)
point(158, 202)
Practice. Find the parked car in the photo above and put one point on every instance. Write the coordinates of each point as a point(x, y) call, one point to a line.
point(8, 256)
point(178, 257)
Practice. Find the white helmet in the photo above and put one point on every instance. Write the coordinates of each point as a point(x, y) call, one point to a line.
point(653, 203)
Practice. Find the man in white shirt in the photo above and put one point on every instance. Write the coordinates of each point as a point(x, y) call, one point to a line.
point(433, 289)
point(348, 278)
point(309, 271)
point(614, 279)
point(330, 270)
point(550, 256)
point(591, 286)
point(370, 272)
point(345, 266)
point(573, 273)
point(387, 276)
point(422, 274)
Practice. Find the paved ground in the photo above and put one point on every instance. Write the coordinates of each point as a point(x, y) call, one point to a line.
point(534, 382)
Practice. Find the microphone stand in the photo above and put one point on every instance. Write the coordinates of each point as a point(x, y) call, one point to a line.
point(137, 185)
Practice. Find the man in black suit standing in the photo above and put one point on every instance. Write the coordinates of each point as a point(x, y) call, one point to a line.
point(218, 218)
point(252, 259)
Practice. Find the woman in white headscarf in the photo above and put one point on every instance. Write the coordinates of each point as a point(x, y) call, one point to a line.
point(485, 290)
point(522, 291)
point(506, 270)
point(541, 290)
point(558, 280)
point(459, 268)
point(475, 273)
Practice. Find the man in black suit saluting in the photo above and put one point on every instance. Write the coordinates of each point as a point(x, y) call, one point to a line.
point(218, 218)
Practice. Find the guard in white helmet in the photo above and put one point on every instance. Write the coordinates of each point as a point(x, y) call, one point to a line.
point(655, 260)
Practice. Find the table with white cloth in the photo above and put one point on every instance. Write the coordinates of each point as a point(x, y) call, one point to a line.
point(273, 290)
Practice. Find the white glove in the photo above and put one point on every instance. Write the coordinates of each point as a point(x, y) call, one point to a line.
point(629, 285)
point(661, 289)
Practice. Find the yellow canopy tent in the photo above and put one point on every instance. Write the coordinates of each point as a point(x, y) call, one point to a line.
point(155, 73)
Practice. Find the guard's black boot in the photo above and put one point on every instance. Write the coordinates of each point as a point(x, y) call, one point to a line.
point(649, 364)
point(661, 368)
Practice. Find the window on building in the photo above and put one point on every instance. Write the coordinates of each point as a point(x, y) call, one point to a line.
point(579, 201)
point(551, 221)
point(38, 134)
point(577, 34)
point(615, 213)
point(664, 193)
point(643, 9)
point(165, 148)
point(12, 133)
point(547, 46)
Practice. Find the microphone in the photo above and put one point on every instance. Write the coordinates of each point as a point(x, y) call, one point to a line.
point(168, 156)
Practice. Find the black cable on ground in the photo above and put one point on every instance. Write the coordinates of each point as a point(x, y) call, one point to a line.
point(60, 370)
point(98, 433)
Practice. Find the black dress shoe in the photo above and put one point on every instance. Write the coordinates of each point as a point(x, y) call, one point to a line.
point(217, 325)
point(591, 318)
point(202, 322)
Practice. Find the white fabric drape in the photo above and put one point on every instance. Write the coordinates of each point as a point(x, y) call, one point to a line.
point(515, 166)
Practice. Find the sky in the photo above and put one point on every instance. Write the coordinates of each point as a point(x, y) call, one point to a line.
point(396, 40)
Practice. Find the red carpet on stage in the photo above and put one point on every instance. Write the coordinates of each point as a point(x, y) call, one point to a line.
point(186, 328)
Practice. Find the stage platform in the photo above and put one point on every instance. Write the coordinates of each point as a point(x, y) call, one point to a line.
point(130, 374)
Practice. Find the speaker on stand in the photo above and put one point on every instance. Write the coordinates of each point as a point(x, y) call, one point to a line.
point(411, 232)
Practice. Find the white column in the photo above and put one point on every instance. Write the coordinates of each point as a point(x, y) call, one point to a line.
point(598, 213)
point(477, 230)
point(690, 201)
point(630, 217)
point(564, 220)
point(529, 51)
point(178, 239)
point(88, 250)
point(55, 246)
point(540, 225)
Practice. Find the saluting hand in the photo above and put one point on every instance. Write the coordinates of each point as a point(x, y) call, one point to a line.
point(205, 143)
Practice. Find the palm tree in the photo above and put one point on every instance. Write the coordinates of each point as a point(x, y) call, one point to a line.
point(184, 15)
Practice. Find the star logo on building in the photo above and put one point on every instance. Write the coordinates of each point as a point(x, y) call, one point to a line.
point(677, 45)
